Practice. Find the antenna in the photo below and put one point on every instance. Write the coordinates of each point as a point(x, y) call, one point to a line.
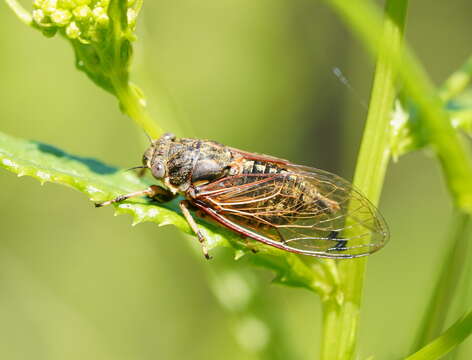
point(148, 136)
point(137, 167)
point(339, 74)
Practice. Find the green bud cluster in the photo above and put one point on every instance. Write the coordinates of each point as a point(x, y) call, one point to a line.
point(101, 34)
point(100, 31)
point(83, 20)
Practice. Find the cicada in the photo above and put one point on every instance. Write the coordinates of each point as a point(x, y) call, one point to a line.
point(291, 207)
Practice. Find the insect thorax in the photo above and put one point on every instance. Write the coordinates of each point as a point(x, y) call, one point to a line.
point(191, 161)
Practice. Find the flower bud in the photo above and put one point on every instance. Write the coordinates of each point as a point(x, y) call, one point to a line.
point(49, 6)
point(82, 13)
point(72, 31)
point(39, 17)
point(61, 17)
point(131, 17)
point(100, 16)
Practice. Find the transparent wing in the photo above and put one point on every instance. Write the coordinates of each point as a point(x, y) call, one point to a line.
point(302, 210)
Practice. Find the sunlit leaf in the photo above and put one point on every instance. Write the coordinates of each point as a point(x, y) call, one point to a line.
point(456, 334)
point(100, 182)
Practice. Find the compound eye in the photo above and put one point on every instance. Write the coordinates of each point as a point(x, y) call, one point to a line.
point(145, 160)
point(158, 170)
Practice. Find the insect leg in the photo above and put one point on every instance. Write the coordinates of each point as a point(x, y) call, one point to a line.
point(152, 191)
point(249, 245)
point(184, 204)
point(282, 240)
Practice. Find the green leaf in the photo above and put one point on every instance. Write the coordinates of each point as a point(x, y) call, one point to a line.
point(456, 334)
point(448, 279)
point(101, 182)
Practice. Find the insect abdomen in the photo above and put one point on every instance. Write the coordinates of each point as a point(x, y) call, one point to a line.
point(291, 194)
point(259, 167)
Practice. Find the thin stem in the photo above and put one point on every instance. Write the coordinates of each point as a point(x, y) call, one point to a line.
point(134, 105)
point(443, 294)
point(464, 293)
point(462, 120)
point(447, 341)
point(457, 82)
point(340, 322)
point(20, 11)
point(435, 126)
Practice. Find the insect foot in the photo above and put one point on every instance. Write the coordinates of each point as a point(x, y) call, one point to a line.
point(202, 240)
point(193, 225)
point(152, 192)
point(115, 200)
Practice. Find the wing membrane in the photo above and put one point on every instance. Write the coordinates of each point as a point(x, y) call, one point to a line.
point(302, 210)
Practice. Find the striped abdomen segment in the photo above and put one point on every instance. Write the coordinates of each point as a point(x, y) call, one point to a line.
point(276, 196)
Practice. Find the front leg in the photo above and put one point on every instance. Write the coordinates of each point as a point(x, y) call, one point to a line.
point(184, 205)
point(155, 192)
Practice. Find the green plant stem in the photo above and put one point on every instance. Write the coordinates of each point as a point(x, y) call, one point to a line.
point(463, 293)
point(340, 322)
point(443, 294)
point(20, 11)
point(435, 125)
point(447, 341)
point(457, 82)
point(133, 104)
point(462, 120)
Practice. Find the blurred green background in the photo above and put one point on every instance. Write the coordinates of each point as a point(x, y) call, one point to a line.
point(78, 283)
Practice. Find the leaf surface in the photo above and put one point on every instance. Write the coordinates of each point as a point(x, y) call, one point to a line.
point(101, 182)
